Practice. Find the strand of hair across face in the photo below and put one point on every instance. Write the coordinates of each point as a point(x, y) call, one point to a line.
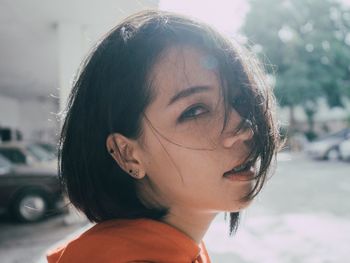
point(245, 123)
point(154, 131)
point(174, 143)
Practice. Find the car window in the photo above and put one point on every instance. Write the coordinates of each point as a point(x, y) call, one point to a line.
point(4, 162)
point(343, 134)
point(39, 153)
point(347, 136)
point(52, 149)
point(14, 155)
point(5, 165)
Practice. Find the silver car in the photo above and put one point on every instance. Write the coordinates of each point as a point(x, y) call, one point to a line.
point(344, 150)
point(327, 148)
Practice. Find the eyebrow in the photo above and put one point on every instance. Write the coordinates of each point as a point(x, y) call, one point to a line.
point(188, 92)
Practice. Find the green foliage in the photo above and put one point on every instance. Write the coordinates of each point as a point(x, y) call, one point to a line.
point(310, 136)
point(308, 42)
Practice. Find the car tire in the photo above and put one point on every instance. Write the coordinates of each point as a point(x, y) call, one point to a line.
point(30, 206)
point(333, 154)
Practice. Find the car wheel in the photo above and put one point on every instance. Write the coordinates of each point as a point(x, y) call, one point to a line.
point(333, 154)
point(30, 206)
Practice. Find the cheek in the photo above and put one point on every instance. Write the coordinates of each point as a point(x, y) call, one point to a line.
point(202, 165)
point(178, 169)
point(158, 160)
point(168, 163)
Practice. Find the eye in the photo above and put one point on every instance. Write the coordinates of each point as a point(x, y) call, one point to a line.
point(193, 112)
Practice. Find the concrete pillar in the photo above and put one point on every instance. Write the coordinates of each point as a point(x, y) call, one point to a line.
point(70, 54)
point(72, 48)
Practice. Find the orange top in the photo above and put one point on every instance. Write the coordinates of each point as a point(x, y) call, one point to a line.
point(131, 240)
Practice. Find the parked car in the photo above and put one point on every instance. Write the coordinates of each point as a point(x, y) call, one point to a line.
point(29, 192)
point(327, 148)
point(344, 150)
point(27, 153)
point(49, 147)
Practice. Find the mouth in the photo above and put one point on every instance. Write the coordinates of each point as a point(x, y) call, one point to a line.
point(246, 168)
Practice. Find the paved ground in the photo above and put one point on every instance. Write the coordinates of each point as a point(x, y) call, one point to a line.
point(28, 242)
point(302, 216)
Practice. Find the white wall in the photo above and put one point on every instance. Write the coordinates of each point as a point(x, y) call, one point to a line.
point(9, 112)
point(35, 118)
point(38, 119)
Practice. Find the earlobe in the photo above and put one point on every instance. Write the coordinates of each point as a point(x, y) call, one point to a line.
point(124, 152)
point(135, 174)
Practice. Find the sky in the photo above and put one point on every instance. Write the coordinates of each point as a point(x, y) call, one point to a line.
point(225, 15)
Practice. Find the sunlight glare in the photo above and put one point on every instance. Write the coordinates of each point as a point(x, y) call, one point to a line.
point(225, 15)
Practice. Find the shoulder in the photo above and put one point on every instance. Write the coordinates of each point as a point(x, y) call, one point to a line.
point(126, 241)
point(110, 241)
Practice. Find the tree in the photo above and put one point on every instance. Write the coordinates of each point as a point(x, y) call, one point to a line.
point(308, 44)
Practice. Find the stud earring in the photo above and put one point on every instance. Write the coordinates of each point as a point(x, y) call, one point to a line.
point(134, 173)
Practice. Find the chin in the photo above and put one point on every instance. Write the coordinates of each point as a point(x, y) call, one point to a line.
point(245, 205)
point(238, 207)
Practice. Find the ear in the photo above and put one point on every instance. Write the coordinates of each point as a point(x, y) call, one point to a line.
point(126, 153)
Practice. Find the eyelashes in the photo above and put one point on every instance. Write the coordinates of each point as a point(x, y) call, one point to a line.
point(193, 112)
point(239, 103)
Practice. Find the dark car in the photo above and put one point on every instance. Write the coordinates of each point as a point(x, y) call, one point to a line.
point(27, 192)
point(48, 147)
point(26, 153)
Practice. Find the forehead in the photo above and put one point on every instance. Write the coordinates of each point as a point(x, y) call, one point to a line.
point(180, 67)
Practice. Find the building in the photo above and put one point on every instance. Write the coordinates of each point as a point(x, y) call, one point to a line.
point(42, 45)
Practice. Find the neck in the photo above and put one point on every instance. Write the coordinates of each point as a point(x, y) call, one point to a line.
point(193, 224)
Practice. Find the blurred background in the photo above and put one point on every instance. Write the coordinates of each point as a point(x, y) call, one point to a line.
point(302, 215)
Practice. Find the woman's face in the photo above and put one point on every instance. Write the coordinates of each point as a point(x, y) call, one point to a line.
point(185, 150)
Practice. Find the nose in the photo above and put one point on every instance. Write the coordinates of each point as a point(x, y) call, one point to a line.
point(245, 133)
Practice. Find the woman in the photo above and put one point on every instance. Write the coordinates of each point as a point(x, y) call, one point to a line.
point(168, 124)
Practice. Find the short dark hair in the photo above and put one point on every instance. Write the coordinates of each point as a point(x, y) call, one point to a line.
point(112, 92)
